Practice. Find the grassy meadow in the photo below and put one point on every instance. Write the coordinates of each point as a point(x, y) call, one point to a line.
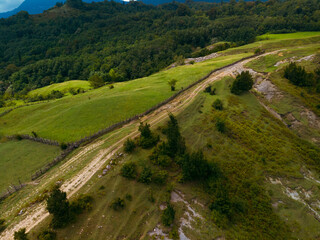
point(62, 87)
point(20, 159)
point(73, 117)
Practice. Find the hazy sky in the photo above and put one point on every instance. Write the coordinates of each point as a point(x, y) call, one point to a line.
point(7, 5)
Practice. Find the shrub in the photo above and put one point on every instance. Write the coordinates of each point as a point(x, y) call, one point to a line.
point(145, 176)
point(2, 225)
point(172, 83)
point(96, 81)
point(18, 137)
point(147, 138)
point(47, 235)
point(217, 104)
point(195, 167)
point(168, 216)
point(111, 87)
point(160, 177)
point(129, 146)
point(58, 206)
point(129, 197)
point(117, 204)
point(257, 51)
point(209, 90)
point(63, 146)
point(21, 235)
point(243, 83)
point(221, 126)
point(84, 202)
point(129, 170)
point(298, 75)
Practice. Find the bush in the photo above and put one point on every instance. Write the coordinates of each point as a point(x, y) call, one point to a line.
point(129, 170)
point(63, 146)
point(209, 90)
point(298, 75)
point(96, 81)
point(47, 235)
point(243, 83)
point(58, 206)
point(217, 104)
point(21, 235)
point(2, 225)
point(168, 216)
point(257, 51)
point(117, 204)
point(129, 146)
point(147, 138)
point(84, 202)
point(159, 157)
point(196, 167)
point(129, 197)
point(145, 176)
point(221, 126)
point(160, 177)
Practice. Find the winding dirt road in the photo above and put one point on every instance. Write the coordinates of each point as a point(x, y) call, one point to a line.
point(38, 213)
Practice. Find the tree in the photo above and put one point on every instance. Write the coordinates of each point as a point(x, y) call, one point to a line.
point(147, 138)
point(172, 83)
point(217, 104)
point(195, 167)
point(176, 143)
point(221, 126)
point(117, 204)
point(129, 146)
point(96, 81)
point(168, 216)
point(145, 176)
point(129, 170)
point(243, 83)
point(58, 206)
point(21, 235)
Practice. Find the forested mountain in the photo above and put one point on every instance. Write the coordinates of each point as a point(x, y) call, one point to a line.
point(126, 41)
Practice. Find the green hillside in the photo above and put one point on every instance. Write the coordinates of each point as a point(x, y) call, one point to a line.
point(20, 159)
point(74, 117)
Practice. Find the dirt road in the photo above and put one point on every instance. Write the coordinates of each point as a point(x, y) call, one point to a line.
point(38, 213)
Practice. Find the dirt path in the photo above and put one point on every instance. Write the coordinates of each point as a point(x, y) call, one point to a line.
point(38, 213)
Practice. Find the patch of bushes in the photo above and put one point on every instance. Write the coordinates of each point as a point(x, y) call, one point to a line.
point(76, 91)
point(145, 175)
point(21, 235)
point(209, 90)
point(242, 83)
point(168, 216)
point(220, 125)
point(129, 146)
point(84, 202)
point(160, 177)
point(47, 235)
point(217, 104)
point(2, 225)
point(129, 170)
point(298, 75)
point(117, 204)
point(159, 155)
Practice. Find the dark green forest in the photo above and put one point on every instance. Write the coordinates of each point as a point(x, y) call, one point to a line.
point(120, 42)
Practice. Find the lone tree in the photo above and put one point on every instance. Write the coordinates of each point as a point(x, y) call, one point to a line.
point(243, 83)
point(59, 207)
point(172, 83)
point(96, 81)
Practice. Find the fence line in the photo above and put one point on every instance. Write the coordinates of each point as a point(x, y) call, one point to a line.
point(35, 139)
point(88, 139)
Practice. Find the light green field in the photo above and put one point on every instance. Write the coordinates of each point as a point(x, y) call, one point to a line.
point(20, 159)
point(62, 87)
point(284, 36)
point(73, 117)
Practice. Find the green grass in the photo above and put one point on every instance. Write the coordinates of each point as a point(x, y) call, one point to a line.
point(20, 159)
point(285, 36)
point(73, 117)
point(62, 87)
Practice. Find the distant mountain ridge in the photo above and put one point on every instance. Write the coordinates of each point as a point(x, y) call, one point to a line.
point(38, 6)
